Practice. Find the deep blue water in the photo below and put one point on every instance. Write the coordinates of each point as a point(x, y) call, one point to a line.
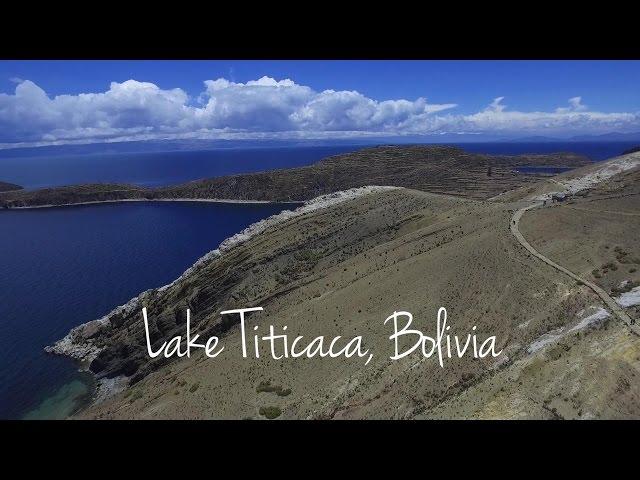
point(60, 267)
point(594, 150)
point(156, 168)
point(165, 168)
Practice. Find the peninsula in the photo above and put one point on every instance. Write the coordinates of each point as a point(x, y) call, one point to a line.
point(496, 248)
point(436, 169)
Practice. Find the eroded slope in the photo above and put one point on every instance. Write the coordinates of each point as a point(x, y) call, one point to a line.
point(342, 271)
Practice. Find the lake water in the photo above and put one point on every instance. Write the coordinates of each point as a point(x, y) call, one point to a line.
point(60, 267)
point(153, 169)
point(596, 151)
point(165, 168)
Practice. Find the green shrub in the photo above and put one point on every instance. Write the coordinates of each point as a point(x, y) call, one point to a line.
point(270, 412)
point(277, 389)
point(264, 387)
point(284, 393)
point(308, 255)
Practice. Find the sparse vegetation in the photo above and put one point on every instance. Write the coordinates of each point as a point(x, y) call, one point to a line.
point(308, 255)
point(624, 257)
point(194, 387)
point(277, 389)
point(628, 286)
point(270, 412)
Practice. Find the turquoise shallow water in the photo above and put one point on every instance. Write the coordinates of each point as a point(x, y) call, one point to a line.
point(64, 402)
point(60, 267)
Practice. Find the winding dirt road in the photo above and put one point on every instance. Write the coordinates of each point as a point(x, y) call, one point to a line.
point(608, 301)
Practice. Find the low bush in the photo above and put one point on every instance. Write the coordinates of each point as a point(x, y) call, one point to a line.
point(270, 412)
point(277, 389)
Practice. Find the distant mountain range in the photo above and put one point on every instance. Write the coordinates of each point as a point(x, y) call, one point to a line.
point(607, 137)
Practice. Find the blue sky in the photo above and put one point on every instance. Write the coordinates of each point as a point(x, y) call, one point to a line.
point(45, 102)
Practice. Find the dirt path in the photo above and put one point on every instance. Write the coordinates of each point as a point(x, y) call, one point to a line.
point(609, 302)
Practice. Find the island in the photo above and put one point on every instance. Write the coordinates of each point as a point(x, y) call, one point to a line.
point(436, 169)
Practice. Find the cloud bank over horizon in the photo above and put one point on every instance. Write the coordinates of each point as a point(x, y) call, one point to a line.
point(267, 108)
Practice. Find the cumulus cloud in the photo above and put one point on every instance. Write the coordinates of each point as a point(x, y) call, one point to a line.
point(264, 108)
point(576, 119)
point(30, 115)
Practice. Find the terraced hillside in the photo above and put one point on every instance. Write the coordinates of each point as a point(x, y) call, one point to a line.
point(438, 169)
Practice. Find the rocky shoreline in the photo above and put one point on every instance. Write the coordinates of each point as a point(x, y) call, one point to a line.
point(79, 343)
point(126, 200)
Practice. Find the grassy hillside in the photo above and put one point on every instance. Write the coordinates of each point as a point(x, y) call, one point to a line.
point(435, 169)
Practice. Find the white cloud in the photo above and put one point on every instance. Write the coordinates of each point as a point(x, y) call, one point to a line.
point(575, 105)
point(496, 105)
point(574, 119)
point(266, 108)
point(30, 115)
